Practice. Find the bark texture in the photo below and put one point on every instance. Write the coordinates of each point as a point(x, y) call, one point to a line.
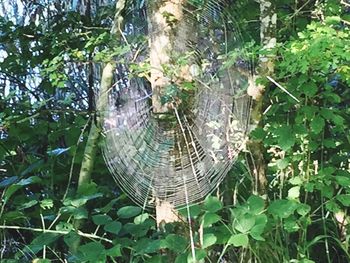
point(94, 134)
point(268, 20)
point(169, 32)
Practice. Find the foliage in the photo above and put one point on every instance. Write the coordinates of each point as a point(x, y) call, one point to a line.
point(48, 72)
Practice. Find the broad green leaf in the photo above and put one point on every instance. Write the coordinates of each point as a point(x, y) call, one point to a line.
point(24, 182)
point(114, 251)
point(210, 218)
point(256, 204)
point(195, 210)
point(182, 258)
point(212, 204)
point(43, 239)
point(310, 89)
point(291, 225)
point(153, 246)
point(244, 224)
point(80, 213)
point(282, 208)
point(129, 211)
point(343, 180)
point(317, 124)
point(282, 164)
point(71, 239)
point(332, 206)
point(93, 252)
point(113, 227)
point(303, 209)
point(257, 231)
point(286, 139)
point(208, 240)
point(29, 204)
point(141, 218)
point(239, 240)
point(344, 199)
point(294, 192)
point(101, 219)
point(176, 243)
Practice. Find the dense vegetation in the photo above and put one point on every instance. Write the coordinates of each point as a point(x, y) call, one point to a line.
point(51, 57)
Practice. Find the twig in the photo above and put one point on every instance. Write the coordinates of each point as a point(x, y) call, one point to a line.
point(282, 88)
point(344, 3)
point(82, 234)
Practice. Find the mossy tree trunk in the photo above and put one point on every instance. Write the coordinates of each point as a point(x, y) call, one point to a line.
point(268, 21)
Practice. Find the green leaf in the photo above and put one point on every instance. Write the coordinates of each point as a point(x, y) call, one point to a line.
point(24, 182)
point(208, 240)
point(310, 89)
point(141, 218)
point(317, 124)
point(93, 252)
point(282, 208)
point(239, 240)
point(286, 138)
point(291, 225)
point(29, 204)
point(181, 258)
point(244, 223)
point(303, 209)
point(294, 192)
point(256, 204)
point(43, 239)
point(332, 206)
point(46, 204)
point(343, 180)
point(71, 239)
point(80, 213)
point(101, 219)
point(176, 243)
point(114, 251)
point(210, 218)
point(344, 199)
point(212, 204)
point(282, 164)
point(257, 231)
point(64, 226)
point(129, 211)
point(195, 210)
point(113, 227)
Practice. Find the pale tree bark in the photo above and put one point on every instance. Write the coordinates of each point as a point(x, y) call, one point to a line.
point(168, 32)
point(268, 23)
point(95, 130)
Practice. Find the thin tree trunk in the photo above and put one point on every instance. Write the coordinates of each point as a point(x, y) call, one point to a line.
point(87, 164)
point(268, 19)
point(94, 134)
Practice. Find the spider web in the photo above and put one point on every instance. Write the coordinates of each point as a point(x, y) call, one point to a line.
point(181, 158)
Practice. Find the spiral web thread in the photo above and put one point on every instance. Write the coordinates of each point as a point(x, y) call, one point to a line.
point(180, 161)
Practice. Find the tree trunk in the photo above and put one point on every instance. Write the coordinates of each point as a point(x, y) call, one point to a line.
point(268, 19)
point(91, 144)
point(169, 31)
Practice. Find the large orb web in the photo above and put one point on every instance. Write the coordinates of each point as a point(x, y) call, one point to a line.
point(181, 158)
